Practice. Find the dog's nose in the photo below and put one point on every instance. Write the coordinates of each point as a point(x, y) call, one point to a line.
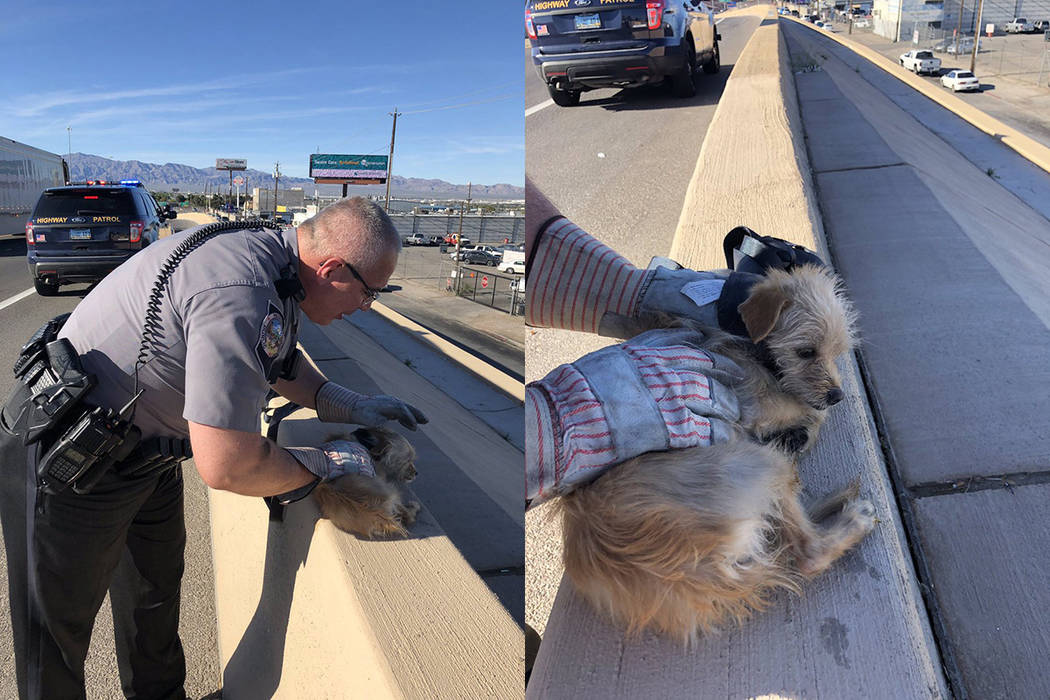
point(834, 396)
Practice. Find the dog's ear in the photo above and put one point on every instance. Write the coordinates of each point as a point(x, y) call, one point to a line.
point(367, 438)
point(762, 309)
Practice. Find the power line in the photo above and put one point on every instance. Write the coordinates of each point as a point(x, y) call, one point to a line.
point(462, 104)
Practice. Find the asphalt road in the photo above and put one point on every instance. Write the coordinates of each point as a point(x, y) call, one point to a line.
point(618, 164)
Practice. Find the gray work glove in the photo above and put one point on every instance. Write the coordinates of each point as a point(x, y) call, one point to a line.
point(334, 459)
point(677, 292)
point(337, 404)
point(658, 391)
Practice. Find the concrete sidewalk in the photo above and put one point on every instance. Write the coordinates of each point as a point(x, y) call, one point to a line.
point(955, 353)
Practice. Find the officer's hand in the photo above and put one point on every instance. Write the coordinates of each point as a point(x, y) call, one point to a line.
point(347, 457)
point(371, 411)
point(334, 459)
point(337, 404)
point(658, 391)
point(683, 292)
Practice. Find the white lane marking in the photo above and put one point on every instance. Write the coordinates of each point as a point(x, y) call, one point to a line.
point(536, 108)
point(16, 298)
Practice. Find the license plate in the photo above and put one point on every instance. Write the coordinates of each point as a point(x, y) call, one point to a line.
point(80, 234)
point(588, 21)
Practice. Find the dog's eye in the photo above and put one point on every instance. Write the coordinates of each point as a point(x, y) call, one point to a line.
point(806, 353)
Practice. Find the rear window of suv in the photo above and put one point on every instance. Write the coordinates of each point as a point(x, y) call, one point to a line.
point(87, 202)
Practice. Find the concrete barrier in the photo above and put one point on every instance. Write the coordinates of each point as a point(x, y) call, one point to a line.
point(307, 611)
point(860, 630)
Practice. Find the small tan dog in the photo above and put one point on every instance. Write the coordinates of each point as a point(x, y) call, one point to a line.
point(685, 540)
point(379, 506)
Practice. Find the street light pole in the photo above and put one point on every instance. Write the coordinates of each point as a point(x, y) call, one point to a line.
point(69, 147)
point(276, 179)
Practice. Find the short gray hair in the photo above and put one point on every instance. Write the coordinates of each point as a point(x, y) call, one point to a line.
point(355, 229)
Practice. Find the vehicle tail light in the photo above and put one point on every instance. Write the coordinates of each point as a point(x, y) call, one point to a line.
point(136, 231)
point(530, 28)
point(654, 13)
point(29, 233)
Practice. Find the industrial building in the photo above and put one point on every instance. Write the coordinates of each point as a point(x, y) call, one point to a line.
point(933, 18)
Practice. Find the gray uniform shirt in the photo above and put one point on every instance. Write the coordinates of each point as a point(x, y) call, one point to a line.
point(222, 325)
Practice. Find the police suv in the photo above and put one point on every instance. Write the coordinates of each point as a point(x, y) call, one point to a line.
point(81, 232)
point(580, 45)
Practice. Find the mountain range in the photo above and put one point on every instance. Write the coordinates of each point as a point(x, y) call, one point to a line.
point(84, 166)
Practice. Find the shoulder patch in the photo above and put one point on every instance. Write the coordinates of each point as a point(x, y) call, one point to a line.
point(271, 335)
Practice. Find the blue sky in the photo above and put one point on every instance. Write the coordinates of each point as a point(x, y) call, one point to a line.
point(190, 82)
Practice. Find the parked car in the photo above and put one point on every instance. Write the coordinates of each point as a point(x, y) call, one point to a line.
point(515, 267)
point(589, 45)
point(1041, 25)
point(861, 23)
point(1019, 25)
point(479, 257)
point(417, 239)
point(959, 80)
point(478, 254)
point(921, 61)
point(964, 46)
point(82, 232)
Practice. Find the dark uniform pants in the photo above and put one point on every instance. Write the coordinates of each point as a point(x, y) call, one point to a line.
point(64, 551)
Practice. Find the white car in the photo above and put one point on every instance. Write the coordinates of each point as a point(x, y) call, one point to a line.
point(861, 23)
point(515, 267)
point(960, 80)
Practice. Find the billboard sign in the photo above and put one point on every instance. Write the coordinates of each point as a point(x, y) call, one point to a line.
point(231, 164)
point(348, 168)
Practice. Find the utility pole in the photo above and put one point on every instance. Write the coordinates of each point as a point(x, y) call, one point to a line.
point(976, 36)
point(276, 179)
point(459, 239)
point(69, 146)
point(958, 28)
point(900, 16)
point(390, 160)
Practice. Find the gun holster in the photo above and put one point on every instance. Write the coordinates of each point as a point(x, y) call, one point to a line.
point(50, 383)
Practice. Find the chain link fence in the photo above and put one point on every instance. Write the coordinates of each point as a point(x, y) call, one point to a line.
point(429, 267)
point(1023, 58)
point(492, 230)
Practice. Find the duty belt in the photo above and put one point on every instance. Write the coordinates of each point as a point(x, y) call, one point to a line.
point(154, 455)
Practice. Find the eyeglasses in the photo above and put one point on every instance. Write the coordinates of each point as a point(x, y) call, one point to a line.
point(372, 294)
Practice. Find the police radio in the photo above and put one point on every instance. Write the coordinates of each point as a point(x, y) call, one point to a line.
point(80, 457)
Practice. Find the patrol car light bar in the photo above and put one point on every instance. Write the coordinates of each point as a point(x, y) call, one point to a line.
point(530, 28)
point(654, 13)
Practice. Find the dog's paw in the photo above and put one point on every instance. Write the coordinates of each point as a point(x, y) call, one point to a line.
point(862, 514)
point(408, 511)
point(792, 441)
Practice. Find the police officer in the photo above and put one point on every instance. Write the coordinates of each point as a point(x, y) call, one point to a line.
point(221, 334)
